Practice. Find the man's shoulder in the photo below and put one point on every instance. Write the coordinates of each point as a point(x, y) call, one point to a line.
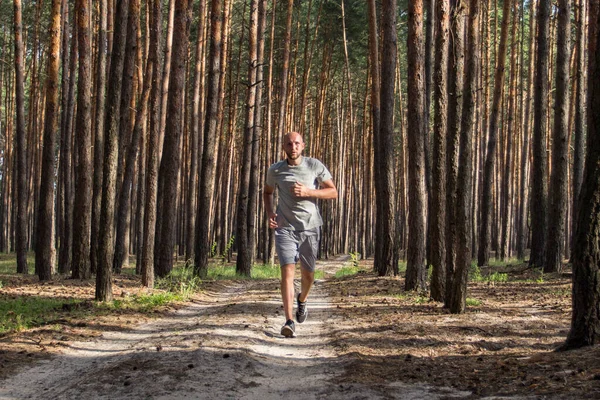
point(277, 165)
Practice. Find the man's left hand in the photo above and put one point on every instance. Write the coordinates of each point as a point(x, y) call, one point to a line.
point(299, 190)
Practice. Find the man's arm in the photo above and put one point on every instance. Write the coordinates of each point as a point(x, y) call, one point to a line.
point(268, 201)
point(327, 191)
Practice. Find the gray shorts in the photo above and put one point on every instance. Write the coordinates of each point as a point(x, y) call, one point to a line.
point(292, 246)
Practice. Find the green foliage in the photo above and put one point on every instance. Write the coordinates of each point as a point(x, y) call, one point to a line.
point(142, 303)
point(17, 314)
point(213, 250)
point(475, 273)
point(401, 266)
point(8, 263)
point(228, 247)
point(181, 281)
point(355, 258)
point(497, 277)
point(473, 302)
point(347, 271)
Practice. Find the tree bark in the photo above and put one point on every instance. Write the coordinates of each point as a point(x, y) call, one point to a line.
point(44, 252)
point(580, 116)
point(539, 172)
point(82, 210)
point(483, 256)
point(111, 143)
point(458, 297)
point(21, 144)
point(585, 320)
point(169, 166)
point(207, 179)
point(101, 63)
point(437, 225)
point(244, 259)
point(147, 267)
point(416, 274)
point(384, 152)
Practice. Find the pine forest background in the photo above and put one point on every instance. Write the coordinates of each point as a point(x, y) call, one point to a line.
point(454, 131)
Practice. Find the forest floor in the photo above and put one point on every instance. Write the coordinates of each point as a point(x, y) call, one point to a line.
point(365, 338)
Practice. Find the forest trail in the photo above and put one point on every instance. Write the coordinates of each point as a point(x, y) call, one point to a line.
point(225, 345)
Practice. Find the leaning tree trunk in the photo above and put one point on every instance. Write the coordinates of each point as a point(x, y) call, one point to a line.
point(109, 175)
point(44, 254)
point(416, 274)
point(458, 297)
point(21, 145)
point(585, 321)
point(560, 146)
point(82, 210)
point(539, 170)
point(437, 226)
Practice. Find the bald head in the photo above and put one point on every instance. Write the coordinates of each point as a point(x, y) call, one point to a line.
point(293, 144)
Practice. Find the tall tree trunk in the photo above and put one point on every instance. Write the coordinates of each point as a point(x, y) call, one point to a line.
point(82, 210)
point(100, 102)
point(585, 320)
point(65, 197)
point(416, 274)
point(111, 143)
point(539, 172)
point(195, 133)
point(21, 145)
point(126, 122)
point(579, 140)
point(560, 146)
point(455, 93)
point(430, 10)
point(437, 225)
point(244, 259)
point(375, 70)
point(483, 256)
point(523, 195)
point(147, 267)
point(128, 142)
point(169, 165)
point(458, 297)
point(44, 251)
point(384, 151)
point(207, 178)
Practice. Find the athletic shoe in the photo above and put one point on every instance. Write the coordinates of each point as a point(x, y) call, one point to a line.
point(301, 311)
point(288, 329)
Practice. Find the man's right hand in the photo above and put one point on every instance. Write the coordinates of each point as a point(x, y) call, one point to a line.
point(273, 221)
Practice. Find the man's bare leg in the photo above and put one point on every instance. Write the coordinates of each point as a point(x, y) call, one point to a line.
point(287, 289)
point(307, 280)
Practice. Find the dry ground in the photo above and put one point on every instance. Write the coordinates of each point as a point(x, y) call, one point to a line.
point(366, 338)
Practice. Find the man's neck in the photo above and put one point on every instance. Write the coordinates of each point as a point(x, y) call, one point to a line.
point(295, 162)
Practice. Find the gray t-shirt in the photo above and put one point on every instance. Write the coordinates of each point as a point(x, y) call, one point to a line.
point(294, 213)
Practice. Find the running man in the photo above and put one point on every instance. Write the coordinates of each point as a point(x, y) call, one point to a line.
point(297, 222)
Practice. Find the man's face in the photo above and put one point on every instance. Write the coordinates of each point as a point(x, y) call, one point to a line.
point(293, 146)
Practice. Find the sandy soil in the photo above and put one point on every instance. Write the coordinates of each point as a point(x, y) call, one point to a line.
point(364, 339)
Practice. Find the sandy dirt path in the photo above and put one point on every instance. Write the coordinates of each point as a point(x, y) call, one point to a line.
point(226, 345)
